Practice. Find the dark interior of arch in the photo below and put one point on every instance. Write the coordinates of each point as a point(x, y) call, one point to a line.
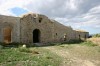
point(36, 36)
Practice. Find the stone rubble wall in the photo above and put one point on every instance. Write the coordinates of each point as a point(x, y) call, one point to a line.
point(30, 22)
point(83, 35)
point(14, 24)
point(50, 30)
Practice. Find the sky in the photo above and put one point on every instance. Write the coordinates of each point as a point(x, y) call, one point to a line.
point(79, 14)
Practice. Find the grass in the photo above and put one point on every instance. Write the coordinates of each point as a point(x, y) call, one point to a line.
point(40, 56)
point(95, 40)
point(26, 50)
point(86, 50)
point(89, 43)
point(28, 57)
point(85, 43)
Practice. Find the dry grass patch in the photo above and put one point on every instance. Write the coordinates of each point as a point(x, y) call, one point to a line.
point(95, 40)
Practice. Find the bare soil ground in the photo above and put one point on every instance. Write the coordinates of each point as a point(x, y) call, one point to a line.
point(77, 55)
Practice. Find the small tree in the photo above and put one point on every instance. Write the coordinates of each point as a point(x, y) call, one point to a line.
point(96, 35)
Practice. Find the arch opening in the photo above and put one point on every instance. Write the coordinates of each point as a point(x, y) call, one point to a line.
point(36, 36)
point(7, 34)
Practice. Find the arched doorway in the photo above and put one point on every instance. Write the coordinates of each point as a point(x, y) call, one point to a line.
point(7, 34)
point(36, 36)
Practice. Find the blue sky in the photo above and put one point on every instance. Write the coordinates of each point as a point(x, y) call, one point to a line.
point(79, 14)
point(18, 11)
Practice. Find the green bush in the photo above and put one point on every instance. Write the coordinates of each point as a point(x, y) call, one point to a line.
point(96, 35)
point(1, 47)
point(13, 44)
point(73, 42)
point(23, 49)
point(1, 43)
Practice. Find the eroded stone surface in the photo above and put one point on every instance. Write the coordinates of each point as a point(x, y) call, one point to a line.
point(49, 30)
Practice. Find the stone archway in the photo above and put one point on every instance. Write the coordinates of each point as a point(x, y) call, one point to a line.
point(36, 36)
point(7, 34)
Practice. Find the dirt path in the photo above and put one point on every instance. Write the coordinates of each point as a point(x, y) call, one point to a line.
point(69, 59)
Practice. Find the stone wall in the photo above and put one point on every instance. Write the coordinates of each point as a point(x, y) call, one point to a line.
point(14, 24)
point(22, 29)
point(61, 33)
point(83, 35)
point(30, 22)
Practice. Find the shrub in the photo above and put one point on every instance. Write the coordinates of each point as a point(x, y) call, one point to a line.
point(96, 35)
point(13, 44)
point(22, 49)
point(1, 43)
point(1, 47)
point(73, 42)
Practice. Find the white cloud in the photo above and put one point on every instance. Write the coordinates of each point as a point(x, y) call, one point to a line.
point(76, 13)
point(6, 5)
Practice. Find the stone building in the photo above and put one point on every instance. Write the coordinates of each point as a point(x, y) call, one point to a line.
point(36, 28)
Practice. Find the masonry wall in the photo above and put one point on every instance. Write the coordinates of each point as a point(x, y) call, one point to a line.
point(59, 31)
point(30, 22)
point(50, 30)
point(81, 35)
point(84, 35)
point(14, 24)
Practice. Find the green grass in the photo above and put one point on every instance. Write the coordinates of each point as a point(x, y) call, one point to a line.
point(85, 43)
point(89, 43)
point(28, 57)
point(39, 56)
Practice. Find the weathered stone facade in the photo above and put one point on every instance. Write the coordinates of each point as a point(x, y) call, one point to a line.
point(34, 28)
point(13, 23)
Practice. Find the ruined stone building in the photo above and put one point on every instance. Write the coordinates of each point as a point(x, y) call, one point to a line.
point(36, 28)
